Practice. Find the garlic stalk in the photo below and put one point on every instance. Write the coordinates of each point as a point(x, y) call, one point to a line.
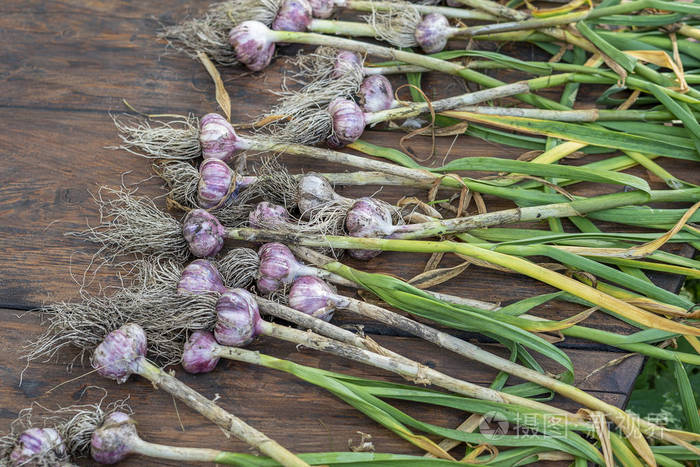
point(122, 354)
point(239, 322)
point(208, 33)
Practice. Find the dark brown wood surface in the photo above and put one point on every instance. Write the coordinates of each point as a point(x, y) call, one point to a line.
point(64, 67)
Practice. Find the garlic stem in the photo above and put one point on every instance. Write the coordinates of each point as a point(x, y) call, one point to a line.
point(407, 57)
point(319, 260)
point(460, 13)
point(509, 216)
point(582, 115)
point(182, 454)
point(361, 178)
point(532, 23)
point(401, 366)
point(495, 9)
point(216, 414)
point(595, 335)
point(417, 108)
point(342, 28)
point(513, 263)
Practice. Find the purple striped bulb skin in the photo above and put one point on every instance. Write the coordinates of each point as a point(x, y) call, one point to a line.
point(203, 232)
point(252, 44)
point(348, 122)
point(38, 447)
point(199, 354)
point(346, 62)
point(218, 139)
point(376, 94)
point(214, 188)
point(322, 8)
point(237, 318)
point(120, 353)
point(112, 442)
point(267, 214)
point(293, 15)
point(431, 34)
point(369, 219)
point(278, 267)
point(313, 191)
point(312, 296)
point(200, 276)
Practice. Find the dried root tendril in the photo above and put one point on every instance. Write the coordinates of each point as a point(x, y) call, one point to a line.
point(396, 26)
point(182, 179)
point(209, 33)
point(306, 120)
point(151, 301)
point(316, 65)
point(274, 183)
point(308, 123)
point(327, 218)
point(175, 139)
point(75, 424)
point(80, 421)
point(134, 225)
point(233, 215)
point(239, 268)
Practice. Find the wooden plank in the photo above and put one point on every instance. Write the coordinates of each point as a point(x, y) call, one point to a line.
point(63, 67)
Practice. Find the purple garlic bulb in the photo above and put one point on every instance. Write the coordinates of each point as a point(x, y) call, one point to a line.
point(293, 15)
point(237, 318)
point(348, 122)
point(218, 138)
point(431, 34)
point(214, 187)
point(267, 215)
point(313, 191)
point(203, 232)
point(322, 8)
point(252, 43)
point(39, 446)
point(376, 93)
point(370, 219)
point(200, 276)
point(278, 267)
point(120, 353)
point(346, 62)
point(312, 296)
point(199, 355)
point(113, 440)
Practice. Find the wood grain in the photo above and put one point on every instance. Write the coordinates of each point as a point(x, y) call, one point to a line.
point(64, 67)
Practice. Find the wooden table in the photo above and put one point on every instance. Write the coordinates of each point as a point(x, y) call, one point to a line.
point(64, 66)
